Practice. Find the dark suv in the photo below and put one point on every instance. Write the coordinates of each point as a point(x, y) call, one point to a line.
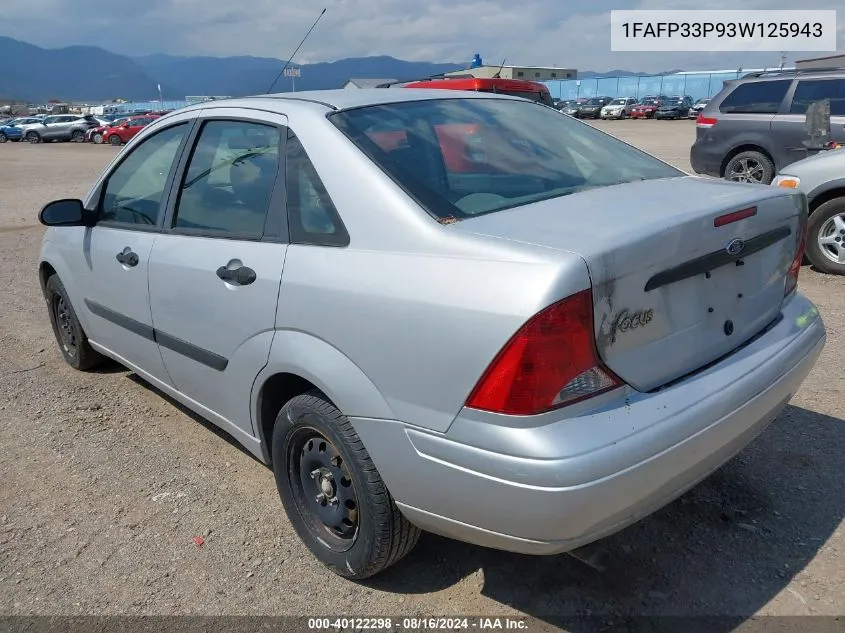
point(755, 126)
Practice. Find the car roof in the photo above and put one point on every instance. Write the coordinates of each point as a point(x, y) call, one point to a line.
point(342, 99)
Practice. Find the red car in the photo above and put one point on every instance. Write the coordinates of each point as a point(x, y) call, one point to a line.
point(119, 134)
point(526, 89)
point(646, 108)
point(95, 134)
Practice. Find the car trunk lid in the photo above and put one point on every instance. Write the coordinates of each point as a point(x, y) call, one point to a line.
point(674, 287)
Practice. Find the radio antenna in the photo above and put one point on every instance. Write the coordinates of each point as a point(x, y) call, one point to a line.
point(284, 68)
point(498, 74)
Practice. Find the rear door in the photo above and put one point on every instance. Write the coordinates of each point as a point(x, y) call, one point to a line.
point(790, 128)
point(216, 270)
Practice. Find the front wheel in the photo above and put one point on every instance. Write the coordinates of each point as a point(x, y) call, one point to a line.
point(826, 237)
point(3, 137)
point(72, 340)
point(33, 137)
point(332, 492)
point(97, 138)
point(114, 139)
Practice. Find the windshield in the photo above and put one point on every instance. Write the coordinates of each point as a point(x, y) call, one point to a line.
point(672, 102)
point(618, 102)
point(464, 157)
point(648, 101)
point(594, 102)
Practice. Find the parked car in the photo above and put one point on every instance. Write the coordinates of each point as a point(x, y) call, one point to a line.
point(591, 109)
point(60, 127)
point(571, 108)
point(697, 107)
point(674, 108)
point(755, 126)
point(646, 108)
point(618, 108)
point(462, 353)
point(120, 134)
point(822, 178)
point(96, 134)
point(12, 130)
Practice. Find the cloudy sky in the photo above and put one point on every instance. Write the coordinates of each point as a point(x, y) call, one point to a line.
point(566, 33)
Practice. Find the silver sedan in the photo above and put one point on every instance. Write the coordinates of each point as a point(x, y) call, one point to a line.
point(438, 310)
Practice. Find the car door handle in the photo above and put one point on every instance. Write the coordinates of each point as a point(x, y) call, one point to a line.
point(240, 276)
point(127, 257)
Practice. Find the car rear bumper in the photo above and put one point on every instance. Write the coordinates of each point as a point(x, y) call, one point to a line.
point(564, 482)
point(706, 159)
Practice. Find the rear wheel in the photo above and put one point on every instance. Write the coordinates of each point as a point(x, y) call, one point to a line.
point(33, 137)
point(3, 137)
point(826, 237)
point(114, 139)
point(72, 340)
point(750, 166)
point(78, 136)
point(332, 492)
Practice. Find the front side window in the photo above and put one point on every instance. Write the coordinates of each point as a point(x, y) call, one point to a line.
point(811, 91)
point(134, 191)
point(464, 157)
point(230, 177)
point(756, 97)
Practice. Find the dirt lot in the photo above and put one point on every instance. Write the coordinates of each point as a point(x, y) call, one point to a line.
point(105, 482)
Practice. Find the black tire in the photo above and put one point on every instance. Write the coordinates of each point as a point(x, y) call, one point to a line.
point(70, 337)
point(3, 137)
point(77, 136)
point(822, 225)
point(114, 139)
point(756, 167)
point(33, 137)
point(309, 435)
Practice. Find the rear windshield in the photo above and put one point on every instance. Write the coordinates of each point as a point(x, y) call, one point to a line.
point(464, 157)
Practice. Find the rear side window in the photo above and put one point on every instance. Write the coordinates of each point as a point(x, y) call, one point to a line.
point(756, 97)
point(810, 91)
point(312, 216)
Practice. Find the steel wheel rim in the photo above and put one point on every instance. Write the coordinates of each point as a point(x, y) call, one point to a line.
point(77, 136)
point(747, 170)
point(323, 490)
point(98, 139)
point(64, 325)
point(831, 239)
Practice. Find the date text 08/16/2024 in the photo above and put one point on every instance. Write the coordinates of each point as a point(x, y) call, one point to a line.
point(417, 624)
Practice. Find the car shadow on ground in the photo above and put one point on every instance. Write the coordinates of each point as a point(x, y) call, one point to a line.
point(726, 548)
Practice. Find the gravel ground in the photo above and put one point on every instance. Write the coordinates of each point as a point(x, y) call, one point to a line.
point(105, 482)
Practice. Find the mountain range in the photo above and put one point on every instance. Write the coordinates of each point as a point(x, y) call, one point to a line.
point(88, 73)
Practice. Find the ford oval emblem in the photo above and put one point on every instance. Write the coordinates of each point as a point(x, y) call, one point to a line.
point(735, 247)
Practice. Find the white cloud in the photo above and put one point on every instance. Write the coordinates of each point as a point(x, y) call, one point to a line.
point(541, 32)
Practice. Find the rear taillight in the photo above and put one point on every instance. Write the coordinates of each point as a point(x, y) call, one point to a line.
point(705, 121)
point(795, 266)
point(550, 362)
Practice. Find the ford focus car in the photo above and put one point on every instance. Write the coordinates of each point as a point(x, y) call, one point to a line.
point(398, 300)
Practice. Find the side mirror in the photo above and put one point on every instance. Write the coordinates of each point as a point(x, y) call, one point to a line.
point(67, 212)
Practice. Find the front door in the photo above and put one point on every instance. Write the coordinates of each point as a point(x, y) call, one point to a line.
point(216, 270)
point(117, 251)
